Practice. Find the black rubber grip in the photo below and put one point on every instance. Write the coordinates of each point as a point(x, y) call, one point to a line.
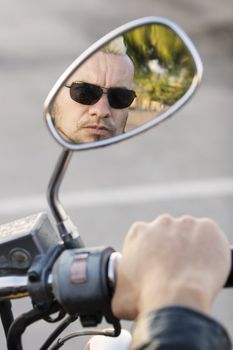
point(229, 282)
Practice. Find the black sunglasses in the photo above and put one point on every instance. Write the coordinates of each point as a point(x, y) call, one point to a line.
point(89, 94)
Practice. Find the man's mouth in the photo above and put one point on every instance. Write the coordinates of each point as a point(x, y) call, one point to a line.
point(98, 129)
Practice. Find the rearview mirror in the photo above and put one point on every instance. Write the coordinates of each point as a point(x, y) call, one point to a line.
point(127, 82)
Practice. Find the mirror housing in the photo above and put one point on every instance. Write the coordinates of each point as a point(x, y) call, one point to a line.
point(178, 98)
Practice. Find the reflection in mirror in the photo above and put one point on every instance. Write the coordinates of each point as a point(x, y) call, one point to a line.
point(126, 83)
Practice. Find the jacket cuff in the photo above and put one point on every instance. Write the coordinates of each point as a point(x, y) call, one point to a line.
point(179, 328)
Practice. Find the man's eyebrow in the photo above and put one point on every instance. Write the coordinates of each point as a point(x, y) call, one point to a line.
point(73, 82)
point(68, 84)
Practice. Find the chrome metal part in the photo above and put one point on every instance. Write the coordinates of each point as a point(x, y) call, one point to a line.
point(55, 205)
point(15, 287)
point(96, 46)
point(66, 228)
point(114, 259)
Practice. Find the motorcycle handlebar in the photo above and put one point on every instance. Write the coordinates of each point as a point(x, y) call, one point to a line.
point(14, 287)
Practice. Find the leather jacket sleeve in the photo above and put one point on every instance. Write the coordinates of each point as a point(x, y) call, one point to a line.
point(179, 328)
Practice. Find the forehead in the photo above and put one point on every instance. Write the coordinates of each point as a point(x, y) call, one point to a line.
point(106, 70)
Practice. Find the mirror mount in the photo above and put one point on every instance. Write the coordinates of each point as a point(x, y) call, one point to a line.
point(155, 69)
point(67, 230)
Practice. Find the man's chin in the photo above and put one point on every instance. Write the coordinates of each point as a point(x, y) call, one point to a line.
point(87, 135)
point(91, 139)
point(92, 135)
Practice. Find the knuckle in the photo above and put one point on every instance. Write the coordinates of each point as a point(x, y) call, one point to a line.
point(208, 222)
point(164, 219)
point(136, 229)
point(208, 227)
point(187, 222)
point(187, 219)
point(211, 228)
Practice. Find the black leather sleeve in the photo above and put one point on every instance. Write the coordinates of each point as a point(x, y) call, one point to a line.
point(179, 328)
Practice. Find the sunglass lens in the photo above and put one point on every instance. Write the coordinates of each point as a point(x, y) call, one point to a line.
point(84, 93)
point(120, 98)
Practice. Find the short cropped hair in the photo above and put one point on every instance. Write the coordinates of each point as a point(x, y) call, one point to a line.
point(115, 47)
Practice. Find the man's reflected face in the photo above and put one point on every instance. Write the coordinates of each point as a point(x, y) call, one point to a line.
point(80, 123)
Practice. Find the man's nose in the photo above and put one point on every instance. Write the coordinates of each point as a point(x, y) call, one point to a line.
point(101, 108)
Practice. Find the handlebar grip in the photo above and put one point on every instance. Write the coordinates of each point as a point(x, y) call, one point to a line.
point(229, 282)
point(117, 256)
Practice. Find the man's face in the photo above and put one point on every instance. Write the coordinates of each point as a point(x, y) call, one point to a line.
point(80, 123)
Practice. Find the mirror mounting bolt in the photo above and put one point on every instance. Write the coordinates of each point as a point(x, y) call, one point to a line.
point(69, 234)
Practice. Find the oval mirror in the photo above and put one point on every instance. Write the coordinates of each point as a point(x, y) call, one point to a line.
point(127, 82)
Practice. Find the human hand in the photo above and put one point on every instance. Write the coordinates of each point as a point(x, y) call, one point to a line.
point(170, 261)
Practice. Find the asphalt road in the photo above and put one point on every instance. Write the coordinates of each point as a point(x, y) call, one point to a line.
point(186, 163)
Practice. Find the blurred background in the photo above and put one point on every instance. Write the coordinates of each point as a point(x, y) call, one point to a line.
point(185, 164)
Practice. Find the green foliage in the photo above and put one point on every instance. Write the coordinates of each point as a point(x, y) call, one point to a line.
point(163, 66)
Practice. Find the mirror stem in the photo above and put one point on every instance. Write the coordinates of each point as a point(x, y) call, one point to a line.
point(66, 228)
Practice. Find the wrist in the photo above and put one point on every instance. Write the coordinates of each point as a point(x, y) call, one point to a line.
point(188, 295)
